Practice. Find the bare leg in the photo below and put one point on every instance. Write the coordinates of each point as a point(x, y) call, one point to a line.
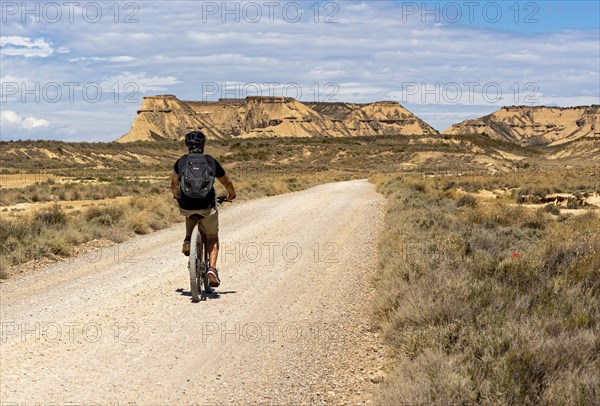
point(189, 227)
point(212, 243)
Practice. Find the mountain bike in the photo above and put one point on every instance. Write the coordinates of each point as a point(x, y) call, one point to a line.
point(199, 260)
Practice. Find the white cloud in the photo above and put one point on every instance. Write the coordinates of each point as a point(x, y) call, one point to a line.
point(120, 58)
point(23, 46)
point(142, 82)
point(228, 59)
point(11, 119)
point(13, 78)
point(32, 122)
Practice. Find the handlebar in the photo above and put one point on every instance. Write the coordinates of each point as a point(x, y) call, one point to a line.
point(221, 199)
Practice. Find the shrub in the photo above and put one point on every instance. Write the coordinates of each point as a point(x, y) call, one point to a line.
point(53, 215)
point(4, 265)
point(105, 215)
point(552, 209)
point(466, 200)
point(535, 219)
point(138, 222)
point(418, 187)
point(58, 245)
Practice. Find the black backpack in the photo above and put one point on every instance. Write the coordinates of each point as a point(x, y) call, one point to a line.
point(196, 179)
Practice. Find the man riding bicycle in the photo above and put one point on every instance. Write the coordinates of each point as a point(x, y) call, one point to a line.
point(197, 198)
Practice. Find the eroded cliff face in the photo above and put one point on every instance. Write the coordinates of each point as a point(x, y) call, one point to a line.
point(529, 126)
point(388, 118)
point(166, 117)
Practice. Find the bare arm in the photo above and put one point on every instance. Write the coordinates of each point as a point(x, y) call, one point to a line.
point(226, 181)
point(175, 185)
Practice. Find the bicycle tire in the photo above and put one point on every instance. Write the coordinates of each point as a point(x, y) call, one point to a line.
point(193, 268)
point(205, 263)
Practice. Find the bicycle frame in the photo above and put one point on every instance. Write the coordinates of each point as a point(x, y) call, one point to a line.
point(205, 254)
point(199, 262)
point(198, 265)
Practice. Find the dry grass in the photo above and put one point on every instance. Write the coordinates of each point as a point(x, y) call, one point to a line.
point(487, 303)
point(538, 180)
point(81, 189)
point(52, 233)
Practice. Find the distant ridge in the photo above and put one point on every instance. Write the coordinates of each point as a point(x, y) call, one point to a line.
point(562, 131)
point(167, 117)
point(531, 126)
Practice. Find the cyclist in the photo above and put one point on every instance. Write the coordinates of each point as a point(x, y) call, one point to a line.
point(206, 207)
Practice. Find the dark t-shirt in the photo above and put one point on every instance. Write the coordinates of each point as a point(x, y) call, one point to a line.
point(209, 202)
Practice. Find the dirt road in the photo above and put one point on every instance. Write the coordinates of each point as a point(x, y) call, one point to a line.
point(290, 323)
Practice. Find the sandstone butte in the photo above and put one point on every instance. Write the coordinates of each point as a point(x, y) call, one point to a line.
point(532, 126)
point(167, 117)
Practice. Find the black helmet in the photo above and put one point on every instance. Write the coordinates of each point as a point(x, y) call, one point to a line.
point(195, 139)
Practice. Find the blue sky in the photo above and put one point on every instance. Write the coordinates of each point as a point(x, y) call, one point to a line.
point(525, 17)
point(79, 72)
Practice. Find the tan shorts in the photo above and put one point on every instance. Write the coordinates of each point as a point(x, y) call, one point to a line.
point(209, 222)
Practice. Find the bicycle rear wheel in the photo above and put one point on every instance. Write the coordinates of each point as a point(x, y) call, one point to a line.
point(193, 267)
point(204, 266)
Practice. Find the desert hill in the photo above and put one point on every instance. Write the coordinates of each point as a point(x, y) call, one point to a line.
point(166, 117)
point(533, 126)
